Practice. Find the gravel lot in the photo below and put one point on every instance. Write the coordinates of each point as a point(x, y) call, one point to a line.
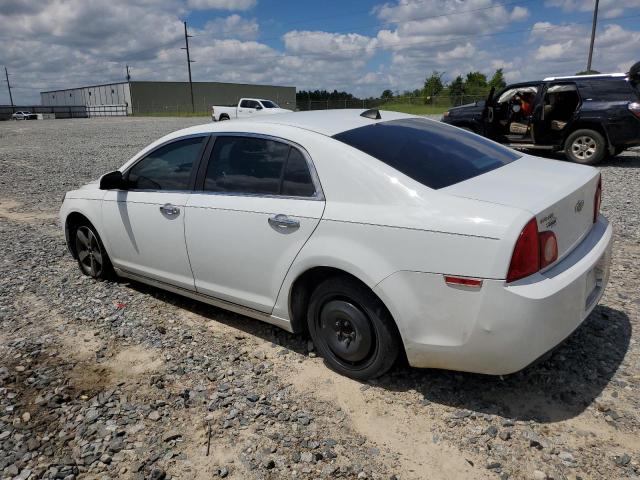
point(118, 380)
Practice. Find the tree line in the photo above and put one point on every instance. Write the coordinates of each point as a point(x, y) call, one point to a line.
point(474, 84)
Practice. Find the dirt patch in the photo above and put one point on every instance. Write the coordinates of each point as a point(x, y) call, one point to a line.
point(400, 434)
point(9, 211)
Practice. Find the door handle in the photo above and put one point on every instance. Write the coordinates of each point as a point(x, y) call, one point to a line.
point(169, 210)
point(283, 222)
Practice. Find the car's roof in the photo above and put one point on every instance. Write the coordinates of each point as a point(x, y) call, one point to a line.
point(324, 122)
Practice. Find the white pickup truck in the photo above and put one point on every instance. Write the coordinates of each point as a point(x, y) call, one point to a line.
point(247, 107)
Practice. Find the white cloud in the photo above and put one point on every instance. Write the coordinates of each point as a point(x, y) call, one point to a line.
point(329, 45)
point(606, 8)
point(233, 26)
point(221, 4)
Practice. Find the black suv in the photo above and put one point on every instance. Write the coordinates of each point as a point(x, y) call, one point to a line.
point(589, 117)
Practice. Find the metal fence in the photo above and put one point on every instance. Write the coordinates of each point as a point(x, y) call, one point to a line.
point(441, 102)
point(73, 111)
point(107, 110)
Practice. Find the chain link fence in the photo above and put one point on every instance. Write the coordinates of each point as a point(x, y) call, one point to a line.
point(440, 102)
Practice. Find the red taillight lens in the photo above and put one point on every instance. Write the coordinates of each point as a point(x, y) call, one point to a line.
point(597, 199)
point(635, 108)
point(548, 248)
point(525, 260)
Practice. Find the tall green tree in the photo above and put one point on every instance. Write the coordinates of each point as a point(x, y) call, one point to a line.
point(387, 94)
point(476, 84)
point(433, 85)
point(456, 90)
point(497, 81)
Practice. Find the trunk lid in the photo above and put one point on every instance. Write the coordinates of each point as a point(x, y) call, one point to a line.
point(560, 195)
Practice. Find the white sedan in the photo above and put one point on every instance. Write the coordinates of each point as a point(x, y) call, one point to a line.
point(378, 233)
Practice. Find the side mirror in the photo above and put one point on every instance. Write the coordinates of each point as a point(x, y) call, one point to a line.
point(258, 107)
point(113, 181)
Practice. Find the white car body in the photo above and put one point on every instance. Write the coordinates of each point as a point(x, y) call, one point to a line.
point(247, 107)
point(23, 116)
point(394, 234)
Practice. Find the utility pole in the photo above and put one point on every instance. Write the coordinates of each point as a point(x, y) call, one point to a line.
point(6, 74)
point(128, 75)
point(593, 35)
point(189, 62)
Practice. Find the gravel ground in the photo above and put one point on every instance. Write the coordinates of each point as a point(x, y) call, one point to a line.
point(118, 380)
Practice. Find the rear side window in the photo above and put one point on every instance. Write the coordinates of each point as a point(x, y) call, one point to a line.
point(610, 90)
point(168, 167)
point(257, 166)
point(432, 153)
point(296, 181)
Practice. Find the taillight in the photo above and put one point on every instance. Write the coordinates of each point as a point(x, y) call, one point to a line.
point(597, 199)
point(533, 251)
point(634, 108)
point(548, 248)
point(525, 260)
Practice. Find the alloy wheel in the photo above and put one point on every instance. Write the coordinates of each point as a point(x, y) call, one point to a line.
point(90, 254)
point(584, 147)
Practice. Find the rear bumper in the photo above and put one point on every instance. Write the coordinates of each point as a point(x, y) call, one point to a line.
point(499, 328)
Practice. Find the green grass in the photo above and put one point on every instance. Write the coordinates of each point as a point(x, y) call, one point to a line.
point(414, 109)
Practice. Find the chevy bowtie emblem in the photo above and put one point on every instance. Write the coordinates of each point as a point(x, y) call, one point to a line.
point(579, 205)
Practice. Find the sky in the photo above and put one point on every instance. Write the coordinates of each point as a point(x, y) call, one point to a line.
point(361, 46)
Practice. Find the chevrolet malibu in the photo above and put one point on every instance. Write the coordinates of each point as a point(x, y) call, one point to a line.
point(379, 234)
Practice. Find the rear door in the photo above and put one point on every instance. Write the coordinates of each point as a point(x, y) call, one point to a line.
point(144, 225)
point(259, 201)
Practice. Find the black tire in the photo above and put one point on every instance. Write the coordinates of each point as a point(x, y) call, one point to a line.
point(223, 118)
point(91, 255)
point(585, 146)
point(352, 329)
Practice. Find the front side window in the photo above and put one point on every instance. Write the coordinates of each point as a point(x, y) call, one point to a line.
point(257, 166)
point(432, 153)
point(269, 104)
point(168, 167)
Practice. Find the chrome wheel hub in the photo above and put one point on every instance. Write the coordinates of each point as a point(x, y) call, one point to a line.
point(584, 147)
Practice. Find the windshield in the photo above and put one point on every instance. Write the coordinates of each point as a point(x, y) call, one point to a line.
point(432, 153)
point(268, 104)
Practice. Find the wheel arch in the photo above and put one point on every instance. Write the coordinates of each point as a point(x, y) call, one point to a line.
point(589, 124)
point(305, 283)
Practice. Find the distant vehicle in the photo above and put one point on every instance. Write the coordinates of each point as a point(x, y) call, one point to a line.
point(24, 116)
point(379, 234)
point(247, 107)
point(588, 117)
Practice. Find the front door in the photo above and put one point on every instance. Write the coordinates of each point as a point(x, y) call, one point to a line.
point(260, 202)
point(144, 225)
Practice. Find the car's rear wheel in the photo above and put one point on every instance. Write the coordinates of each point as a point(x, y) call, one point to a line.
point(351, 329)
point(223, 118)
point(585, 146)
point(92, 257)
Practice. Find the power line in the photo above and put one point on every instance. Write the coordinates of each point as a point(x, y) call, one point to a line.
point(422, 43)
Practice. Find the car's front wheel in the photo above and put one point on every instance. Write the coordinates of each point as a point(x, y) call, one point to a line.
point(351, 329)
point(584, 146)
point(92, 257)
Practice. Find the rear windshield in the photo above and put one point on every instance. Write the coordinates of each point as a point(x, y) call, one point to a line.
point(432, 153)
